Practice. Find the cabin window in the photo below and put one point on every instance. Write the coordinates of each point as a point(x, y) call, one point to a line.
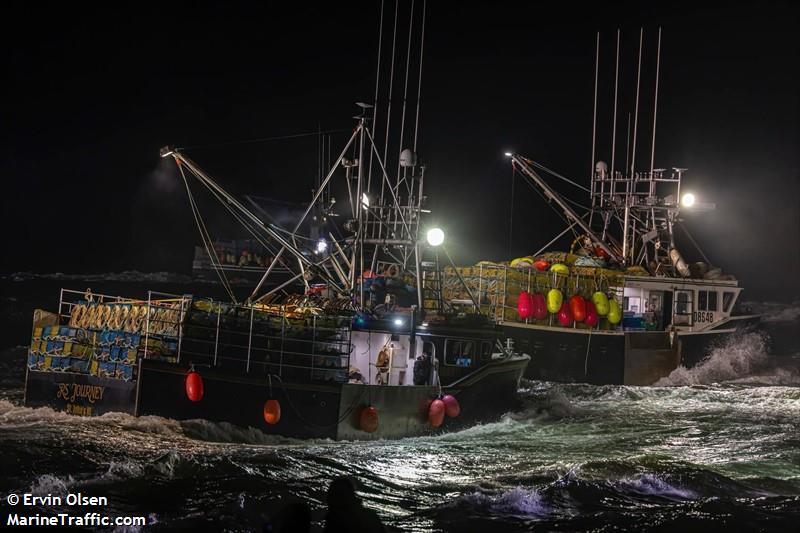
point(727, 300)
point(459, 352)
point(631, 303)
point(683, 309)
point(707, 301)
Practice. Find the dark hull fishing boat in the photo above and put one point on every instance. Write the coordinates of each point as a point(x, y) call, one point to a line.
point(335, 340)
point(622, 306)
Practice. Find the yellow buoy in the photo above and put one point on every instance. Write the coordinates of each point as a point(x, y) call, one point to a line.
point(600, 301)
point(560, 268)
point(554, 300)
point(614, 312)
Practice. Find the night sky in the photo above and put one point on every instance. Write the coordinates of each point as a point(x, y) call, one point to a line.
point(91, 94)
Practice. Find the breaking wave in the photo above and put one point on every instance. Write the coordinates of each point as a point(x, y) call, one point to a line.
point(517, 501)
point(739, 356)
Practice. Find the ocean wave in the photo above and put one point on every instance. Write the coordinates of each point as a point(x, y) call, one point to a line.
point(516, 501)
point(48, 484)
point(740, 355)
point(654, 485)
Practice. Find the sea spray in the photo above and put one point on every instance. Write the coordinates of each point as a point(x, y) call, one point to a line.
point(740, 355)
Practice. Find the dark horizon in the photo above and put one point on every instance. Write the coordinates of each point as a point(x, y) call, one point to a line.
point(89, 103)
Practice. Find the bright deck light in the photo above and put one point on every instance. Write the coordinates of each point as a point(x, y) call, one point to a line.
point(322, 245)
point(398, 321)
point(508, 154)
point(435, 236)
point(688, 200)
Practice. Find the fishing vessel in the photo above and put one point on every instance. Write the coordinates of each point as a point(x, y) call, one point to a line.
point(334, 341)
point(622, 305)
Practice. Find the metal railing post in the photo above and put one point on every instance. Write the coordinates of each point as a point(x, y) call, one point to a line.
point(250, 338)
point(216, 338)
point(147, 325)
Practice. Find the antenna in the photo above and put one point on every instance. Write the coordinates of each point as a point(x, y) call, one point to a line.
point(655, 104)
point(614, 134)
point(377, 86)
point(419, 84)
point(636, 111)
point(594, 114)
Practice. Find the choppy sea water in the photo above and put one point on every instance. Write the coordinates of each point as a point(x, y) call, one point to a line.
point(710, 448)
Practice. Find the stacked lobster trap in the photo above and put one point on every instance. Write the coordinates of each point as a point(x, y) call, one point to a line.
point(494, 289)
point(104, 335)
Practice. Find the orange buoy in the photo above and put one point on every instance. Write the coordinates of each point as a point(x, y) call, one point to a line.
point(565, 315)
point(524, 307)
point(451, 406)
point(592, 318)
point(368, 419)
point(539, 306)
point(436, 413)
point(272, 412)
point(194, 386)
point(578, 307)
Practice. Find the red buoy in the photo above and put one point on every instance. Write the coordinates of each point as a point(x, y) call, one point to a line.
point(272, 412)
point(368, 419)
point(599, 252)
point(592, 317)
point(524, 307)
point(436, 413)
point(578, 307)
point(194, 386)
point(539, 306)
point(565, 315)
point(451, 406)
point(541, 265)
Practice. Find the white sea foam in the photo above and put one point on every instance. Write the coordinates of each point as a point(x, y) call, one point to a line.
point(741, 355)
point(653, 485)
point(519, 500)
point(49, 484)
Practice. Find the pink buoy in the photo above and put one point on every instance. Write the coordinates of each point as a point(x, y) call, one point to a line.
point(565, 315)
point(591, 314)
point(194, 386)
point(539, 306)
point(524, 307)
point(436, 413)
point(451, 406)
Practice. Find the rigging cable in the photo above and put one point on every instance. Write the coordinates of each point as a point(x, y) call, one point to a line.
point(206, 238)
point(405, 99)
point(377, 86)
point(263, 139)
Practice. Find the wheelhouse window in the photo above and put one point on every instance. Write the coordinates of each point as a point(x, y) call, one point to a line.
point(683, 309)
point(460, 352)
point(727, 300)
point(707, 300)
